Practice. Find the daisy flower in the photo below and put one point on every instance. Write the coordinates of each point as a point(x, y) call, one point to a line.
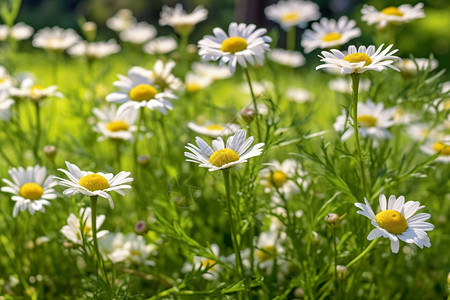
point(396, 220)
point(214, 130)
point(5, 79)
point(259, 87)
point(243, 44)
point(94, 184)
point(373, 121)
point(115, 124)
point(122, 20)
point(292, 13)
point(29, 90)
point(161, 74)
point(221, 156)
point(94, 50)
point(288, 58)
point(359, 60)
point(72, 231)
point(392, 15)
point(160, 45)
point(18, 32)
point(298, 95)
point(5, 105)
point(55, 39)
point(410, 67)
point(213, 266)
point(182, 22)
point(328, 33)
point(210, 70)
point(138, 33)
point(138, 90)
point(194, 82)
point(344, 85)
point(31, 188)
point(438, 143)
point(112, 247)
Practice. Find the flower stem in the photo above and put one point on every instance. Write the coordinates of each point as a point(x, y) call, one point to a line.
point(355, 87)
point(136, 136)
point(290, 41)
point(247, 74)
point(367, 250)
point(37, 137)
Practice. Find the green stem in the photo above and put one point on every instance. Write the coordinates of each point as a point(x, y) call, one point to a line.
point(355, 87)
point(290, 41)
point(117, 145)
point(336, 283)
point(367, 250)
point(249, 81)
point(37, 137)
point(136, 136)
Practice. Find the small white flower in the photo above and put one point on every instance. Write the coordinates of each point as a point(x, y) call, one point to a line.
point(359, 60)
point(115, 124)
point(55, 38)
point(344, 85)
point(18, 32)
point(162, 75)
point(72, 231)
point(160, 45)
point(214, 130)
point(213, 266)
point(221, 156)
point(132, 248)
point(292, 13)
point(288, 58)
point(410, 67)
point(194, 82)
point(5, 105)
point(94, 50)
point(5, 79)
point(29, 90)
point(418, 131)
point(438, 143)
point(182, 22)
point(392, 15)
point(212, 71)
point(122, 20)
point(268, 248)
point(243, 44)
point(31, 188)
point(259, 87)
point(94, 184)
point(328, 33)
point(138, 33)
point(298, 95)
point(396, 220)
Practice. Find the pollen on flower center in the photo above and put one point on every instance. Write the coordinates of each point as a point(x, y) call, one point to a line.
point(118, 125)
point(142, 92)
point(209, 263)
point(31, 191)
point(358, 57)
point(35, 89)
point(290, 17)
point(367, 121)
point(193, 87)
point(222, 157)
point(439, 146)
point(215, 127)
point(278, 178)
point(392, 11)
point(234, 44)
point(266, 253)
point(391, 220)
point(94, 182)
point(332, 36)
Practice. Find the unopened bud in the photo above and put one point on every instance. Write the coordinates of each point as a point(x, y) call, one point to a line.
point(140, 227)
point(342, 272)
point(299, 293)
point(50, 151)
point(332, 220)
point(247, 114)
point(143, 160)
point(89, 30)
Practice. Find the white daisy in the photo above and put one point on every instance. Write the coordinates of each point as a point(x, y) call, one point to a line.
point(182, 22)
point(438, 143)
point(31, 188)
point(194, 82)
point(259, 87)
point(5, 79)
point(373, 121)
point(288, 58)
point(212, 71)
point(214, 130)
point(269, 248)
point(221, 156)
point(292, 13)
point(160, 45)
point(396, 220)
point(328, 33)
point(94, 50)
point(94, 184)
point(359, 60)
point(410, 67)
point(392, 15)
point(5, 105)
point(4, 31)
point(344, 85)
point(161, 74)
point(55, 38)
point(122, 20)
point(29, 90)
point(138, 90)
point(72, 231)
point(213, 266)
point(242, 44)
point(18, 32)
point(138, 249)
point(138, 33)
point(298, 95)
point(112, 247)
point(115, 124)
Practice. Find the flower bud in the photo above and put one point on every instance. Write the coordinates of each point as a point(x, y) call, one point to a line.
point(299, 293)
point(89, 31)
point(140, 227)
point(247, 114)
point(342, 272)
point(50, 151)
point(332, 220)
point(143, 160)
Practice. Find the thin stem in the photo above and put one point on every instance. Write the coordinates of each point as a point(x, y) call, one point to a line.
point(367, 250)
point(117, 145)
point(136, 136)
point(336, 283)
point(249, 81)
point(355, 86)
point(290, 41)
point(37, 137)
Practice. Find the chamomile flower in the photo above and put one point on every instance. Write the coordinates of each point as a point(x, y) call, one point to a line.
point(114, 123)
point(243, 44)
point(5, 79)
point(138, 90)
point(161, 74)
point(260, 88)
point(438, 143)
point(194, 82)
point(32, 189)
point(18, 32)
point(138, 33)
point(29, 90)
point(292, 13)
point(221, 156)
point(122, 20)
point(72, 231)
point(214, 130)
point(5, 105)
point(410, 67)
point(344, 85)
point(94, 184)
point(213, 266)
point(269, 251)
point(298, 95)
point(55, 39)
point(327, 34)
point(160, 45)
point(373, 121)
point(288, 58)
point(359, 60)
point(396, 221)
point(94, 50)
point(210, 70)
point(392, 15)
point(182, 22)
point(131, 248)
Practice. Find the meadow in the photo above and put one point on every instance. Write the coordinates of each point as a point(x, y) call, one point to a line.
point(133, 170)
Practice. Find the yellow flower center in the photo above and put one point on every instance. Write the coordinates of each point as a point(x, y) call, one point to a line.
point(367, 121)
point(391, 220)
point(215, 127)
point(135, 253)
point(439, 146)
point(222, 157)
point(266, 253)
point(290, 17)
point(94, 182)
point(193, 87)
point(278, 178)
point(142, 92)
point(358, 57)
point(332, 36)
point(35, 90)
point(117, 126)
point(208, 263)
point(234, 44)
point(31, 191)
point(446, 104)
point(392, 11)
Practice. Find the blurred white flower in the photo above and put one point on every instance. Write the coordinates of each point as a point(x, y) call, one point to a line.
point(213, 129)
point(94, 50)
point(29, 90)
point(344, 85)
point(392, 15)
point(410, 67)
point(115, 124)
point(298, 95)
point(292, 59)
point(182, 22)
point(210, 70)
point(160, 45)
point(18, 32)
point(292, 13)
point(5, 105)
point(138, 33)
point(55, 39)
point(72, 231)
point(194, 82)
point(122, 20)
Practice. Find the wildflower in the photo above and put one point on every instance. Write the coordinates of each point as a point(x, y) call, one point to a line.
point(94, 184)
point(138, 33)
point(94, 50)
point(29, 90)
point(31, 188)
point(212, 71)
point(160, 45)
point(288, 58)
point(397, 221)
point(122, 20)
point(131, 248)
point(242, 44)
point(115, 124)
point(438, 143)
point(55, 39)
point(213, 130)
point(298, 95)
point(259, 88)
point(344, 85)
point(5, 105)
point(221, 157)
point(292, 13)
point(213, 266)
point(182, 22)
point(72, 231)
point(18, 32)
point(5, 79)
point(195, 82)
point(392, 15)
point(161, 75)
